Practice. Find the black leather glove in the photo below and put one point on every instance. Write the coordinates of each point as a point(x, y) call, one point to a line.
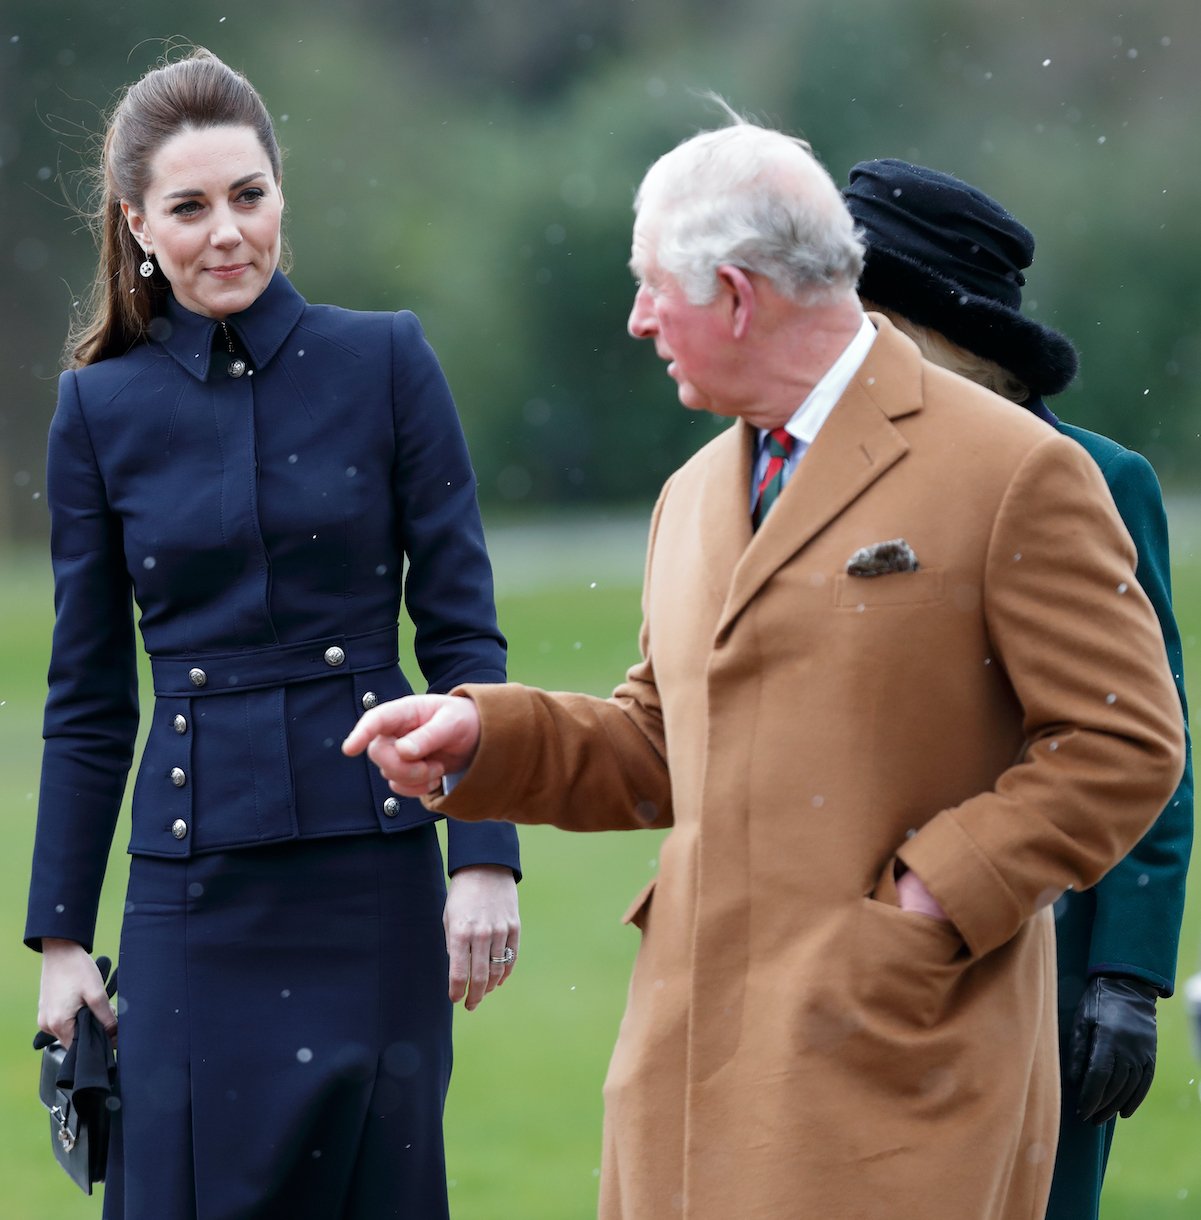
point(1111, 1054)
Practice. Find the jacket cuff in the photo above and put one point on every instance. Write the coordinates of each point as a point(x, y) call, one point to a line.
point(482, 843)
point(963, 880)
point(1165, 987)
point(497, 768)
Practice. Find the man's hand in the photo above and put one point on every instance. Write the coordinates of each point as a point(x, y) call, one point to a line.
point(912, 895)
point(1111, 1055)
point(417, 740)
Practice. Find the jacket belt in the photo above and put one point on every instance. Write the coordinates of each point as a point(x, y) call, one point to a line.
point(274, 665)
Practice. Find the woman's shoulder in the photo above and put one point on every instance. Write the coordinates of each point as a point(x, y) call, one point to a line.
point(104, 380)
point(1101, 448)
point(1117, 462)
point(397, 334)
point(338, 319)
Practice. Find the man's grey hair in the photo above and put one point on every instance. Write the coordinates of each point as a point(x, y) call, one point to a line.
point(754, 198)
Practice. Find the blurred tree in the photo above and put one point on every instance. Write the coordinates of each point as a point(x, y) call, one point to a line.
point(475, 160)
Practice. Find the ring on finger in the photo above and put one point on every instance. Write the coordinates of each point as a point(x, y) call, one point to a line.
point(507, 958)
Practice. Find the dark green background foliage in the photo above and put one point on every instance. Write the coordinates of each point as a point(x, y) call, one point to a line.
point(475, 160)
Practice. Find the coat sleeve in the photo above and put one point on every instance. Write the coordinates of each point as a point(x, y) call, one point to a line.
point(573, 761)
point(448, 587)
point(1104, 744)
point(91, 714)
point(1140, 901)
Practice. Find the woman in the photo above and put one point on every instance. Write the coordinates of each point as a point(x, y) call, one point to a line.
point(945, 263)
point(255, 471)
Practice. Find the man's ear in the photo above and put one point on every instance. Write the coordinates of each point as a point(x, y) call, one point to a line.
point(735, 286)
point(137, 226)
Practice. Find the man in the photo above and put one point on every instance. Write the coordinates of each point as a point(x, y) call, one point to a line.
point(880, 760)
point(946, 263)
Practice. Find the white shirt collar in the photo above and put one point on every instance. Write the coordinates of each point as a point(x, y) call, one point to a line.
point(808, 418)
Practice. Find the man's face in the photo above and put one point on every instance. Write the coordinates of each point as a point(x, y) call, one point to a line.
point(691, 338)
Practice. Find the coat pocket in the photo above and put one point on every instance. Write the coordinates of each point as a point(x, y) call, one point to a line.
point(905, 964)
point(638, 912)
point(891, 589)
point(216, 773)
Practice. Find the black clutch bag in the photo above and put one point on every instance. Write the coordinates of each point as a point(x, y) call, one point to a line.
point(79, 1087)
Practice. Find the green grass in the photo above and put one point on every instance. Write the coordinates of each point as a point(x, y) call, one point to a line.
point(523, 1121)
point(1155, 1167)
point(524, 1116)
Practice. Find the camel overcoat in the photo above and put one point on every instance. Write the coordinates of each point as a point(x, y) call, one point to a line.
point(1002, 720)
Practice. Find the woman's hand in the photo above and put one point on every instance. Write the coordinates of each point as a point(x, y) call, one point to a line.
point(482, 924)
point(70, 980)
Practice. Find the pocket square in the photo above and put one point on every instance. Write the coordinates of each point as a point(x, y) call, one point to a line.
point(880, 558)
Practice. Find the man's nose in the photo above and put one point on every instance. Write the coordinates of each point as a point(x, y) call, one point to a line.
point(641, 322)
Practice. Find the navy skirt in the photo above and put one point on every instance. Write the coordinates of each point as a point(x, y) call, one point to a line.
point(284, 1034)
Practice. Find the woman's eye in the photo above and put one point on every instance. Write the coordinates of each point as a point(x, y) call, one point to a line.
point(252, 194)
point(188, 208)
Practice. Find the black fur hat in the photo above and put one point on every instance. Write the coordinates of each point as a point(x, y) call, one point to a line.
point(945, 255)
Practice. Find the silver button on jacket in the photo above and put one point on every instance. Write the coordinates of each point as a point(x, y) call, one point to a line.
point(179, 828)
point(391, 806)
point(334, 655)
point(370, 699)
point(178, 778)
point(197, 677)
point(181, 724)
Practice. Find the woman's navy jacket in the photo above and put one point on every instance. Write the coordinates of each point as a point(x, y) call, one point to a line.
point(261, 522)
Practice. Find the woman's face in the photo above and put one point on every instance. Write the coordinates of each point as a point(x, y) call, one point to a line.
point(211, 218)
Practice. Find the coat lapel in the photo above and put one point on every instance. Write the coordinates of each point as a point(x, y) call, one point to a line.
point(725, 507)
point(857, 444)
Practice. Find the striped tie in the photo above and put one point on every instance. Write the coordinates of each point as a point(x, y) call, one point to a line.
point(779, 445)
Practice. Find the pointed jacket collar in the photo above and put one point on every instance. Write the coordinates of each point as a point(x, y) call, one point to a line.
point(261, 329)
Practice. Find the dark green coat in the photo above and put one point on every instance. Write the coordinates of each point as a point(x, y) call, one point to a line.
point(1129, 923)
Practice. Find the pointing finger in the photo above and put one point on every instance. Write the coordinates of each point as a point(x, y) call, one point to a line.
point(392, 719)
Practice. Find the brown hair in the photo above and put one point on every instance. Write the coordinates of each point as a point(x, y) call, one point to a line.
point(197, 92)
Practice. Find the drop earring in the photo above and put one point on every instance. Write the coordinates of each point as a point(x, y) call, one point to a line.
point(146, 270)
